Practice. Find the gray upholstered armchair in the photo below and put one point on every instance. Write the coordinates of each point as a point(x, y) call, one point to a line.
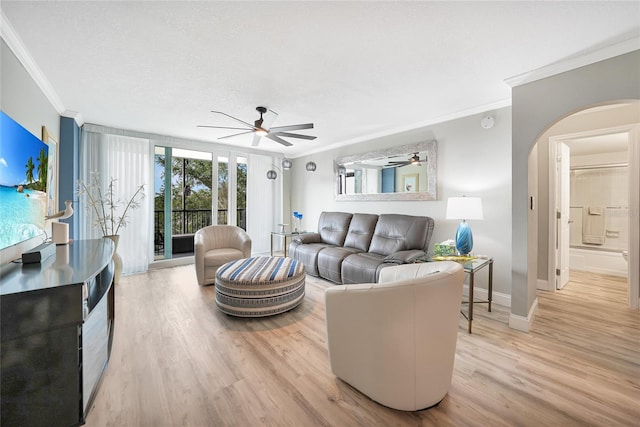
point(216, 245)
point(395, 340)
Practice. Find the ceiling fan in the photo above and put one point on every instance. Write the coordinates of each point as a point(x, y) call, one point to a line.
point(261, 127)
point(413, 160)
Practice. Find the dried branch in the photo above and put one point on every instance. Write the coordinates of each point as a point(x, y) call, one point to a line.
point(105, 204)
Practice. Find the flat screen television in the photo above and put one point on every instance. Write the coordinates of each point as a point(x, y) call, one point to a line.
point(23, 183)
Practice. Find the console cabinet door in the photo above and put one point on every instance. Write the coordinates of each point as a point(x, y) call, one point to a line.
point(40, 379)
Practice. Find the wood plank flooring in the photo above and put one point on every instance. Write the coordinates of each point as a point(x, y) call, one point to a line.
point(178, 361)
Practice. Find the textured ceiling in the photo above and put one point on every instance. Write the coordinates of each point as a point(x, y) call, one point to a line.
point(354, 69)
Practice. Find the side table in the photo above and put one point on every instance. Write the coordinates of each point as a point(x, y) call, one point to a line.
point(471, 267)
point(285, 235)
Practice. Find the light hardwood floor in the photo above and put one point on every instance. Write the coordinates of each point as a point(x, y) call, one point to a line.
point(178, 361)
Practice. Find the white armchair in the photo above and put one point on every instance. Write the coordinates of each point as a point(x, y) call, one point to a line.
point(395, 340)
point(216, 245)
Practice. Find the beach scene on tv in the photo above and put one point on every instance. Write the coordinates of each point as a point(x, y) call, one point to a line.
point(23, 183)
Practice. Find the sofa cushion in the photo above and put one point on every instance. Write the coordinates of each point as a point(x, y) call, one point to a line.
point(362, 268)
point(330, 262)
point(333, 227)
point(395, 233)
point(361, 231)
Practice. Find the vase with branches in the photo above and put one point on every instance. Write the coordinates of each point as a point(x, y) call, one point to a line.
point(111, 213)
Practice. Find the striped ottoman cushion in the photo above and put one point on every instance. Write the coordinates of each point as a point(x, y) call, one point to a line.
point(259, 286)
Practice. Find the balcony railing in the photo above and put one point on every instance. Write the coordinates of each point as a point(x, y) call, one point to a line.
point(189, 221)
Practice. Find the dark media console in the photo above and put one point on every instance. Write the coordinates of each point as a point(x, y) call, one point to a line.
point(56, 328)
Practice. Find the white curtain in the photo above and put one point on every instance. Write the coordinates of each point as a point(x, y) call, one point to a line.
point(264, 201)
point(127, 160)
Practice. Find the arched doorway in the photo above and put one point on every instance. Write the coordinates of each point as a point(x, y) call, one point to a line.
point(537, 104)
point(606, 138)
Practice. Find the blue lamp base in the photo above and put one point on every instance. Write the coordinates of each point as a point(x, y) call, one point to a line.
point(464, 238)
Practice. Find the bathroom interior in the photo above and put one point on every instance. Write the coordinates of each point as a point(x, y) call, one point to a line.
point(599, 204)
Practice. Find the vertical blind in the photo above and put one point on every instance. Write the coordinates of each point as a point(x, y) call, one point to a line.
point(126, 159)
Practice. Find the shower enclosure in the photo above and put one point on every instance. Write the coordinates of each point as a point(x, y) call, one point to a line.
point(599, 218)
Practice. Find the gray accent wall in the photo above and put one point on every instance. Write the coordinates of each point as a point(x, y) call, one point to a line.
point(69, 169)
point(536, 107)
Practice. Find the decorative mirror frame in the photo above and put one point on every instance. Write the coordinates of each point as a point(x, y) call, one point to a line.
point(430, 147)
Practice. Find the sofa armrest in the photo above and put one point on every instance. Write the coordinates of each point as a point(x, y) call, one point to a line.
point(404, 257)
point(307, 238)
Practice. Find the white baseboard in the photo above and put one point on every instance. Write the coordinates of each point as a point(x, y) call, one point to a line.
point(173, 262)
point(482, 294)
point(521, 323)
point(543, 284)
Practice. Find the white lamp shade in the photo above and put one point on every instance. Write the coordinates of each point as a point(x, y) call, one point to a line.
point(464, 208)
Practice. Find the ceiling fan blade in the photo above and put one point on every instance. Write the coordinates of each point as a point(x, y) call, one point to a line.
point(268, 118)
point(236, 134)
point(256, 140)
point(291, 127)
point(234, 118)
point(293, 135)
point(278, 140)
point(220, 127)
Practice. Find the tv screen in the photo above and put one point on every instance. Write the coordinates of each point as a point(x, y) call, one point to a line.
point(23, 183)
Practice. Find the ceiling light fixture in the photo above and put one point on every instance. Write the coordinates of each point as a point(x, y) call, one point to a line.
point(271, 174)
point(286, 163)
point(311, 166)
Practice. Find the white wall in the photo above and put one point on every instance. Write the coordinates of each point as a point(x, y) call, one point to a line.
point(471, 161)
point(24, 102)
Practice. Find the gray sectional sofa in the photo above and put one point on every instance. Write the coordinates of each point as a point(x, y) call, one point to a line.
point(353, 248)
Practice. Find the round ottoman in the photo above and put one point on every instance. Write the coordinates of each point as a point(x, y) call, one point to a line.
point(259, 286)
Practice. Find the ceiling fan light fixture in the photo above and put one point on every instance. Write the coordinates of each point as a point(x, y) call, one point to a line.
point(262, 128)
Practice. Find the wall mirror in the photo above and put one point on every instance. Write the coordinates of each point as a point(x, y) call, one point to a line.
point(406, 172)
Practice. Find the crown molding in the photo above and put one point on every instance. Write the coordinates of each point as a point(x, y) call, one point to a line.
point(392, 131)
point(73, 115)
point(16, 45)
point(572, 63)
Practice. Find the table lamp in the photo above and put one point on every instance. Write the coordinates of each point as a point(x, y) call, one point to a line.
point(464, 208)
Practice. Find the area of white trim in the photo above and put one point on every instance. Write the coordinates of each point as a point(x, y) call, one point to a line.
point(521, 323)
point(73, 115)
point(173, 262)
point(575, 62)
point(543, 285)
point(634, 204)
point(16, 45)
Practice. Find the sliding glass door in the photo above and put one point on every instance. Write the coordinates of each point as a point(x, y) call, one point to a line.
point(186, 199)
point(183, 199)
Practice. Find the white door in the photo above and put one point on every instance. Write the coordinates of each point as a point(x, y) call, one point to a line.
point(562, 216)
